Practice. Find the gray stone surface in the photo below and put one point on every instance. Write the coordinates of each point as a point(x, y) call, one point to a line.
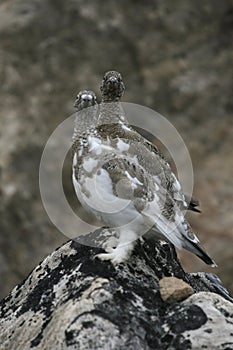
point(72, 300)
point(178, 52)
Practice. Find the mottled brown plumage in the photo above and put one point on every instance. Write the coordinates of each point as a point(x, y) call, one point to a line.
point(125, 181)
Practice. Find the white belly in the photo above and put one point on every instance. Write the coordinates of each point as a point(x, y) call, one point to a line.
point(96, 196)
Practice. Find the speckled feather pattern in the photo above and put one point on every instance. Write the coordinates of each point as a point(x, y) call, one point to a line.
point(112, 159)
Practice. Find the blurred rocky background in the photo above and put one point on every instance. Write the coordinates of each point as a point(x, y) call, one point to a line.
point(175, 57)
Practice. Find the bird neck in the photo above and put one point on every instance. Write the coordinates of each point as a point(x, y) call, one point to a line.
point(111, 97)
point(111, 113)
point(86, 119)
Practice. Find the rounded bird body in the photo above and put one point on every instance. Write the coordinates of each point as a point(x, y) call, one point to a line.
point(126, 183)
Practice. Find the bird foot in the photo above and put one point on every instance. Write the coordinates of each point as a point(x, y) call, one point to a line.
point(117, 255)
point(109, 244)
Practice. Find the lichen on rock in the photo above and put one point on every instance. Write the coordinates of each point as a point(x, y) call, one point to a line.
point(74, 301)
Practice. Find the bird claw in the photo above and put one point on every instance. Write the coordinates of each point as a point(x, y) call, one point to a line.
point(115, 255)
point(110, 244)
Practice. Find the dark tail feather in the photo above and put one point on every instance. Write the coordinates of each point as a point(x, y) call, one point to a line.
point(196, 249)
point(191, 207)
point(193, 203)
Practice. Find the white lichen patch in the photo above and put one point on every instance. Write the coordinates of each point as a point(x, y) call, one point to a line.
point(72, 312)
point(26, 326)
point(218, 329)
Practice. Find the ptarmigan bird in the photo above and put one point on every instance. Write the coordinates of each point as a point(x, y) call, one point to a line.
point(123, 180)
point(85, 122)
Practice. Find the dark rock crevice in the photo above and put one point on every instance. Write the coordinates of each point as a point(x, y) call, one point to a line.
point(73, 300)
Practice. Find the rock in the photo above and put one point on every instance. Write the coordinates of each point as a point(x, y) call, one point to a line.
point(173, 289)
point(73, 301)
point(216, 332)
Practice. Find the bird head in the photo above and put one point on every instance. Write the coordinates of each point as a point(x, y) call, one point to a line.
point(112, 87)
point(84, 99)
